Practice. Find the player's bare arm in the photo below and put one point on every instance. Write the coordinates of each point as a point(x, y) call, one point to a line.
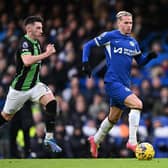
point(30, 59)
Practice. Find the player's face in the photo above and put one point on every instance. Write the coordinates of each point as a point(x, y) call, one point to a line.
point(36, 30)
point(125, 24)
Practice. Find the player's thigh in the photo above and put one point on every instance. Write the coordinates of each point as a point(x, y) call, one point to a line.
point(115, 114)
point(44, 100)
point(41, 93)
point(14, 101)
point(132, 101)
point(117, 93)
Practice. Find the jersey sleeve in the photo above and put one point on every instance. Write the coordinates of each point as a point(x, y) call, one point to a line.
point(103, 38)
point(137, 48)
point(86, 50)
point(25, 48)
point(140, 58)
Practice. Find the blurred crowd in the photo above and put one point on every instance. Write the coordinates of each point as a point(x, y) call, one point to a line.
point(83, 103)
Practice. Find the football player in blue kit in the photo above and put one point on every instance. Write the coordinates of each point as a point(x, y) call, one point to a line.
point(120, 49)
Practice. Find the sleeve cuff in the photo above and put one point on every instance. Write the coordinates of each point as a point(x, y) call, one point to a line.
point(26, 53)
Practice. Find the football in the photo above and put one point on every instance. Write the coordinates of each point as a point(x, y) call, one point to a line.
point(144, 151)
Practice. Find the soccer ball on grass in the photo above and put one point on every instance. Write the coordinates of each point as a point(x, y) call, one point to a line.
point(144, 151)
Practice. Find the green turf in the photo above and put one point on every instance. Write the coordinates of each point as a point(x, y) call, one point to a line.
point(82, 163)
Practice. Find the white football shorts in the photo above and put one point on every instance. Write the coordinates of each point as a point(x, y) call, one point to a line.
point(16, 98)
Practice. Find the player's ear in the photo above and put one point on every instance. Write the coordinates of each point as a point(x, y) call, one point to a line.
point(118, 22)
point(28, 28)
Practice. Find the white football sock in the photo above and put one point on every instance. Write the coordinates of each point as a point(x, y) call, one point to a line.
point(134, 118)
point(105, 127)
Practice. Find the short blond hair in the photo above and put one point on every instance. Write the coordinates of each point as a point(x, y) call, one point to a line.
point(123, 13)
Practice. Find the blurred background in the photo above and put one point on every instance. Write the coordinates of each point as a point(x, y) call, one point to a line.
point(82, 101)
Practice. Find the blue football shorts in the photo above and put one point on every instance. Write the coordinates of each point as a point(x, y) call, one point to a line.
point(117, 93)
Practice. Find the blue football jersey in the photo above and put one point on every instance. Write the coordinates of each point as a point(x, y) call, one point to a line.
point(119, 50)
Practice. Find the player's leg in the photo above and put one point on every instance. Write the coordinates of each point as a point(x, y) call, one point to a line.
point(45, 96)
point(4, 117)
point(133, 102)
point(14, 101)
point(107, 124)
point(114, 92)
point(50, 103)
point(105, 127)
point(123, 96)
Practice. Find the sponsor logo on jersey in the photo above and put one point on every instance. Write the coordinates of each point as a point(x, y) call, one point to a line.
point(132, 43)
point(118, 50)
point(126, 51)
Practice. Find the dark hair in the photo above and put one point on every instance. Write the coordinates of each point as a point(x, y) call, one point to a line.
point(32, 19)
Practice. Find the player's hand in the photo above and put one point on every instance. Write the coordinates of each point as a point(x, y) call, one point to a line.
point(50, 49)
point(86, 69)
point(152, 55)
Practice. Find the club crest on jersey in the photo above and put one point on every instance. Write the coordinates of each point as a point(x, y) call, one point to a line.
point(25, 45)
point(132, 43)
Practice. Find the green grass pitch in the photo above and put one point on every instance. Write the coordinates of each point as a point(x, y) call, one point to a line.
point(82, 163)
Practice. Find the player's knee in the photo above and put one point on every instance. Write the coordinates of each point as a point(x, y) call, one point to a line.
point(113, 119)
point(51, 107)
point(139, 105)
point(6, 116)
